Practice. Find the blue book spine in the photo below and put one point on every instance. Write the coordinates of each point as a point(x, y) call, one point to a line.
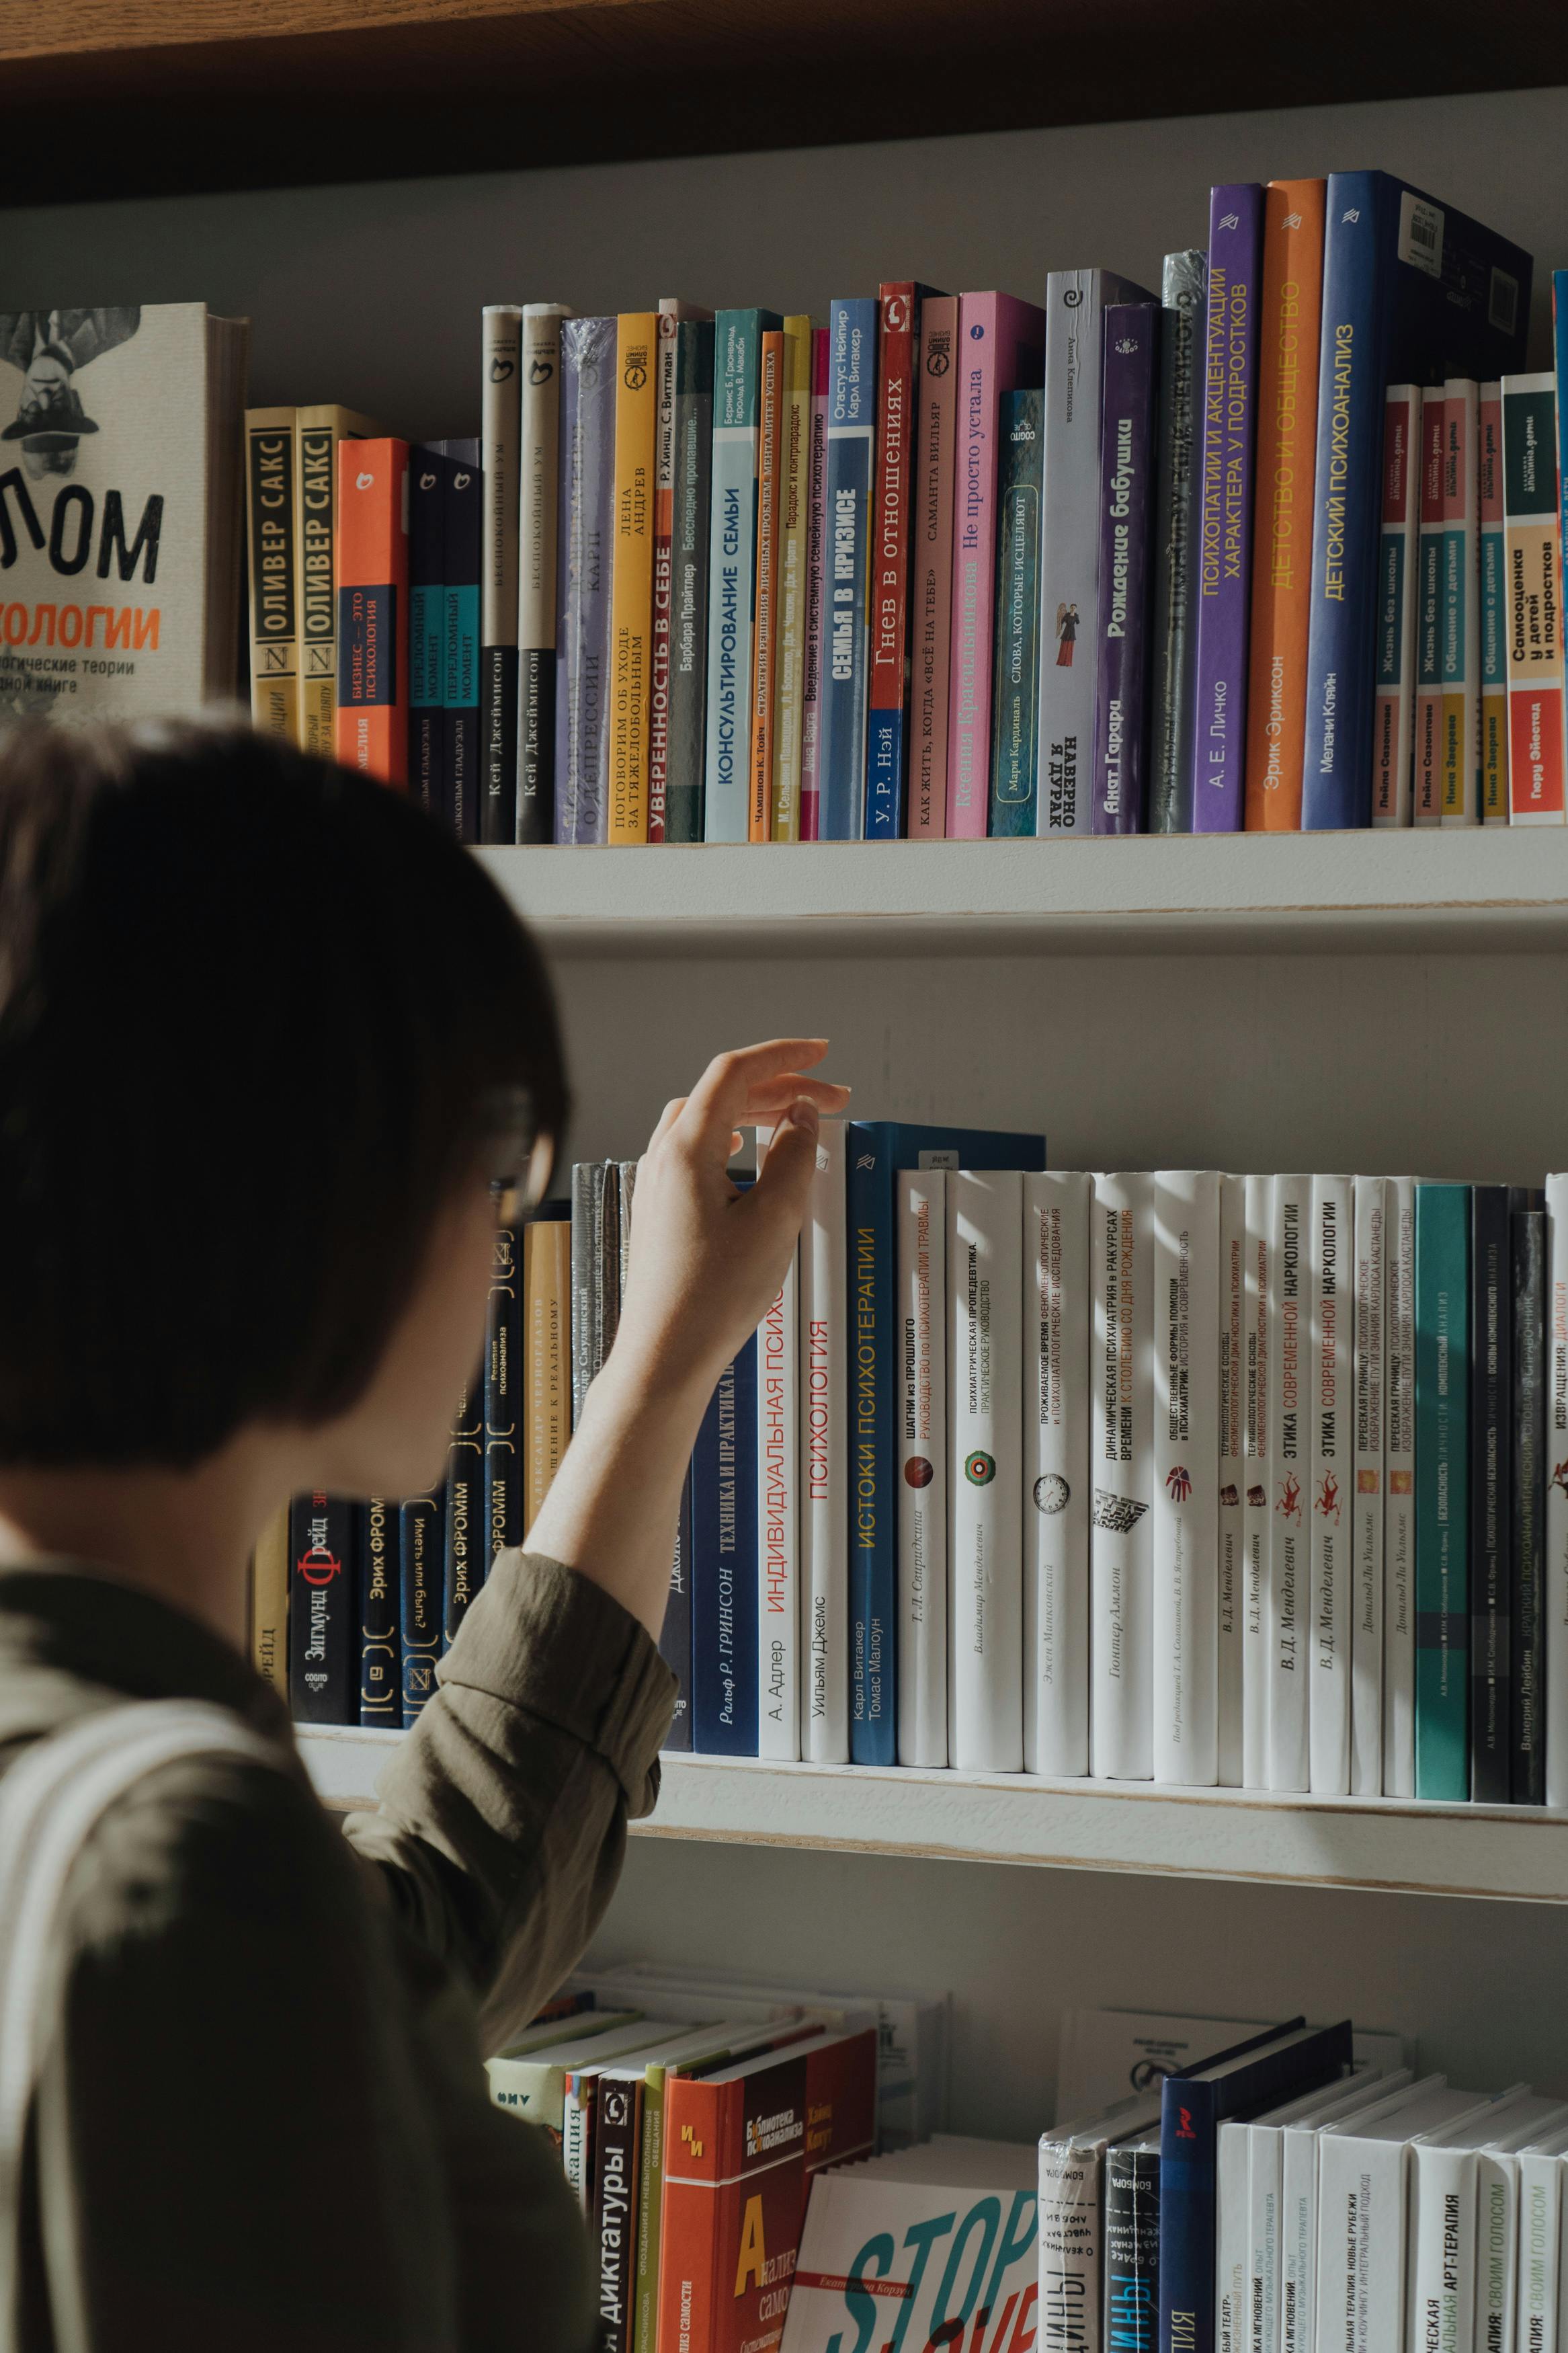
point(1015, 655)
point(381, 1666)
point(427, 470)
point(584, 556)
point(503, 1399)
point(1229, 412)
point(464, 535)
point(846, 652)
point(674, 1635)
point(724, 1565)
point(421, 1521)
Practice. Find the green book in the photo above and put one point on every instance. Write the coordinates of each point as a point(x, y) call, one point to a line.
point(1015, 684)
point(1442, 1491)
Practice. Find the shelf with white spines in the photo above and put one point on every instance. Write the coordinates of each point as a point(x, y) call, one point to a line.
point(1394, 1845)
point(1481, 890)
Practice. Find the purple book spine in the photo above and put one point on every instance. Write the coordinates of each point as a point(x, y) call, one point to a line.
point(1224, 507)
point(585, 544)
point(1126, 457)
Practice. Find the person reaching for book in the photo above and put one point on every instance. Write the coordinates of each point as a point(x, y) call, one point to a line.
point(268, 1040)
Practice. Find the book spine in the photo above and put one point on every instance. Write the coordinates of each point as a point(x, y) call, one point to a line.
point(587, 1210)
point(845, 654)
point(985, 1288)
point(999, 339)
point(1132, 2248)
point(1493, 608)
point(317, 433)
point(420, 1522)
point(427, 471)
point(1442, 1504)
point(1527, 1536)
point(1428, 755)
point(795, 529)
point(1398, 574)
point(778, 1525)
point(1290, 1452)
point(615, 2207)
point(898, 362)
point(546, 1356)
point(675, 1633)
point(321, 1610)
point(1070, 536)
point(1540, 2243)
point(1132, 338)
point(1289, 315)
point(1256, 1652)
point(1370, 1378)
point(1226, 488)
point(921, 1339)
point(585, 546)
point(631, 574)
point(1183, 305)
point(931, 560)
point(1399, 1510)
point(1497, 2249)
point(540, 487)
point(464, 1564)
point(1122, 1470)
point(650, 2216)
point(1535, 680)
point(1072, 2250)
point(663, 600)
point(1056, 1472)
point(380, 1661)
point(1234, 2314)
point(1555, 1461)
point(269, 1603)
point(1491, 1512)
point(1442, 2228)
point(868, 1247)
point(503, 1399)
point(274, 561)
point(732, 568)
point(371, 578)
point(823, 1467)
point(1185, 1517)
point(1016, 692)
point(816, 588)
point(764, 598)
point(463, 534)
point(724, 1566)
point(1462, 800)
point(499, 458)
point(1232, 1533)
point(1336, 786)
point(1328, 1405)
point(684, 797)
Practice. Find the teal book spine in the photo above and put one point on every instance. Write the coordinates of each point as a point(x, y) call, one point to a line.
point(732, 566)
point(1442, 1491)
point(1015, 700)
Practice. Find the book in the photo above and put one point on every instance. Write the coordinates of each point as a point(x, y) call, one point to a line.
point(691, 501)
point(1462, 607)
point(1442, 2213)
point(1413, 292)
point(770, 425)
point(318, 430)
point(584, 545)
point(1000, 343)
point(778, 1525)
point(1232, 1403)
point(1369, 2099)
point(1131, 351)
point(1224, 507)
point(985, 1348)
point(1185, 1481)
point(935, 430)
point(371, 556)
point(272, 525)
point(1056, 1502)
point(1257, 1643)
point(1071, 2226)
point(1442, 1499)
point(1250, 2205)
point(1016, 690)
point(1555, 1596)
point(1525, 1537)
point(1363, 2208)
point(631, 575)
point(901, 316)
point(421, 1527)
point(675, 1632)
point(322, 1611)
point(428, 467)
point(1291, 1463)
point(463, 515)
point(379, 1656)
point(1133, 2244)
point(530, 2075)
point(794, 533)
point(1399, 1511)
point(1121, 1467)
point(540, 481)
point(502, 1397)
point(617, 2160)
point(269, 1603)
point(1427, 785)
point(1330, 1413)
point(1493, 598)
point(546, 1351)
point(1538, 2306)
point(663, 599)
point(816, 594)
point(1535, 675)
point(1184, 296)
point(847, 564)
point(724, 1565)
point(824, 1469)
point(587, 1317)
point(1491, 1485)
point(732, 566)
point(920, 1208)
point(1393, 710)
point(501, 456)
point(464, 1563)
point(1369, 1375)
point(1104, 2053)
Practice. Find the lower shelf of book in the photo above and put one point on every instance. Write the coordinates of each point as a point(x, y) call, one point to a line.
point(1510, 1854)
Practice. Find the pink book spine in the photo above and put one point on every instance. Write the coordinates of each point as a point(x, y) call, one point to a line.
point(999, 339)
point(816, 548)
point(930, 568)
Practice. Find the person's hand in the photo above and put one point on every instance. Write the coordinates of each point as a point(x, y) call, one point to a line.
point(707, 1258)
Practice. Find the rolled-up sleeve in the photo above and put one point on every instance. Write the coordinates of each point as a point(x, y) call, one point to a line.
point(500, 1826)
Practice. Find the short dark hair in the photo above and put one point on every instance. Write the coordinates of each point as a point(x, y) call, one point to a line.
point(252, 1006)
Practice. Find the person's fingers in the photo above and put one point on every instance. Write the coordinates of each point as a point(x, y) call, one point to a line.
point(667, 1119)
point(777, 1094)
point(721, 1095)
point(784, 1182)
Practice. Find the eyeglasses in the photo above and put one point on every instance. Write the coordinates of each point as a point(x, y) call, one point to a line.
point(521, 1161)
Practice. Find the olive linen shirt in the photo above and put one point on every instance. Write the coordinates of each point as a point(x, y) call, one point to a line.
point(260, 2121)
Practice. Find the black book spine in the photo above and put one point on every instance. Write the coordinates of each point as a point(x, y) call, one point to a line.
point(675, 1634)
point(685, 795)
point(1491, 1382)
point(1133, 2250)
point(615, 2206)
point(536, 745)
point(463, 1553)
point(321, 1610)
point(381, 1666)
point(539, 485)
point(427, 469)
point(497, 587)
point(503, 1398)
point(1528, 1564)
point(461, 695)
point(421, 1526)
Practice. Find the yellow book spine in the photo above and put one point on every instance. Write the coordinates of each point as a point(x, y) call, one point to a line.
point(546, 1356)
point(631, 590)
point(317, 432)
point(789, 661)
point(274, 615)
point(269, 1604)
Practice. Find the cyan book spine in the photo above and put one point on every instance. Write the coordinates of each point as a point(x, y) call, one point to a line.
point(1442, 1491)
point(1016, 698)
point(427, 470)
point(1185, 291)
point(846, 655)
point(584, 557)
point(1229, 407)
point(1126, 465)
point(461, 681)
point(732, 567)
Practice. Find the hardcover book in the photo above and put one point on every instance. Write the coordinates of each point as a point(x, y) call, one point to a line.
point(1231, 1564)
point(1257, 1651)
point(1291, 1453)
point(1122, 1388)
point(463, 516)
point(1535, 663)
point(1399, 1513)
point(1370, 1379)
point(724, 1565)
point(318, 430)
point(421, 1523)
point(930, 566)
point(923, 1355)
point(372, 558)
point(380, 1660)
point(825, 1466)
point(502, 1396)
point(733, 566)
point(631, 576)
point(1185, 1540)
point(499, 457)
point(778, 1526)
point(464, 1563)
point(901, 309)
point(847, 559)
point(584, 557)
point(1394, 712)
point(1442, 1491)
point(322, 1611)
point(1526, 1538)
point(1224, 507)
point(794, 534)
point(691, 497)
point(1126, 479)
point(986, 1341)
point(771, 425)
point(1015, 697)
point(1328, 1376)
point(1493, 609)
point(1491, 1500)
point(1184, 301)
point(1056, 1472)
point(428, 467)
point(816, 594)
point(272, 522)
point(1461, 745)
point(538, 486)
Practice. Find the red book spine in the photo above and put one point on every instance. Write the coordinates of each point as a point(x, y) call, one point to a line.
point(372, 584)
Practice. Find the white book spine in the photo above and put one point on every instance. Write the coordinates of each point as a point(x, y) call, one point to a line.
point(1259, 1490)
point(1263, 2178)
point(1298, 2233)
point(1290, 1448)
point(1187, 1476)
point(1539, 2246)
point(538, 464)
point(1370, 1377)
point(1360, 2245)
point(1056, 1474)
point(1556, 1594)
point(922, 1240)
point(1070, 2244)
point(1122, 1394)
point(778, 1526)
point(1329, 1413)
point(823, 1486)
point(1231, 2238)
point(1441, 2311)
point(1497, 2251)
point(985, 1287)
point(1232, 1473)
point(1069, 548)
point(1399, 1501)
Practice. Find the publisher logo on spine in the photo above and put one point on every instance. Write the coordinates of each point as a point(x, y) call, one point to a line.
point(979, 1468)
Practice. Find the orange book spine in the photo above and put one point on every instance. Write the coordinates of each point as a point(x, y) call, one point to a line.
point(370, 576)
point(698, 2156)
point(631, 580)
point(770, 452)
point(1290, 314)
